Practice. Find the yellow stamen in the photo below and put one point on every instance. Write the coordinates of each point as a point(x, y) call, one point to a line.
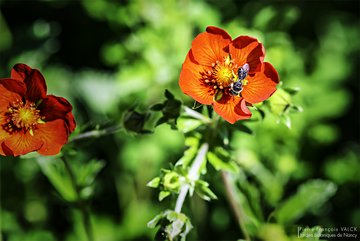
point(22, 116)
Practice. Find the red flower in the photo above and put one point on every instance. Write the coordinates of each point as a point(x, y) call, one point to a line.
point(30, 120)
point(211, 69)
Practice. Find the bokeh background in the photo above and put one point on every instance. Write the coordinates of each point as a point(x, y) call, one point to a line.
point(108, 56)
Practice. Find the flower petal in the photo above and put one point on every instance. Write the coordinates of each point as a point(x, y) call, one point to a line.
point(53, 107)
point(210, 46)
point(261, 85)
point(70, 122)
point(14, 86)
point(245, 49)
point(6, 96)
point(191, 84)
point(20, 72)
point(54, 135)
point(232, 108)
point(3, 135)
point(5, 151)
point(36, 86)
point(21, 143)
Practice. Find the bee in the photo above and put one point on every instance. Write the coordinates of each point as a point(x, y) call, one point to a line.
point(237, 86)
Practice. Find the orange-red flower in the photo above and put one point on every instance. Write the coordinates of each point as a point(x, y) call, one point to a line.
point(31, 120)
point(210, 71)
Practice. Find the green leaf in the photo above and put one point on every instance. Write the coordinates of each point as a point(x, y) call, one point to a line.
point(310, 195)
point(279, 102)
point(88, 171)
point(157, 107)
point(154, 222)
point(292, 90)
point(162, 120)
point(55, 171)
point(154, 183)
point(173, 226)
point(169, 95)
point(296, 108)
point(189, 154)
point(203, 190)
point(171, 108)
point(285, 119)
point(235, 182)
point(220, 164)
point(135, 121)
point(163, 195)
point(272, 232)
point(188, 124)
point(241, 127)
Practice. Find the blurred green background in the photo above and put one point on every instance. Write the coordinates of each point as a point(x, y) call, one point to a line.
point(107, 56)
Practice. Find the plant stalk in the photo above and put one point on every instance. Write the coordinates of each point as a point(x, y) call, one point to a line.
point(84, 211)
point(193, 175)
point(196, 115)
point(235, 203)
point(95, 133)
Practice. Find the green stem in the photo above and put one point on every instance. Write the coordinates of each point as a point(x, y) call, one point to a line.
point(193, 175)
point(96, 133)
point(235, 203)
point(84, 211)
point(196, 115)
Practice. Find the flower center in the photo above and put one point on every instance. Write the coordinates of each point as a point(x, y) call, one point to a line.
point(221, 74)
point(22, 116)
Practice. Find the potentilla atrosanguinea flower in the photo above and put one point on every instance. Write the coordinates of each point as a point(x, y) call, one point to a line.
point(31, 120)
point(227, 74)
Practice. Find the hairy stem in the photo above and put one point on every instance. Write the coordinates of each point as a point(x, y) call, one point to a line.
point(235, 203)
point(95, 133)
point(85, 213)
point(193, 175)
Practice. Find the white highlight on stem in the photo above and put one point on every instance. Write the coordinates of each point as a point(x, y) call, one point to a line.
point(196, 115)
point(193, 175)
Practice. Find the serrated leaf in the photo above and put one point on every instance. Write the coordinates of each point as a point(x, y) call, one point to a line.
point(157, 107)
point(171, 108)
point(162, 120)
point(154, 183)
point(135, 121)
point(163, 195)
point(168, 95)
point(311, 194)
